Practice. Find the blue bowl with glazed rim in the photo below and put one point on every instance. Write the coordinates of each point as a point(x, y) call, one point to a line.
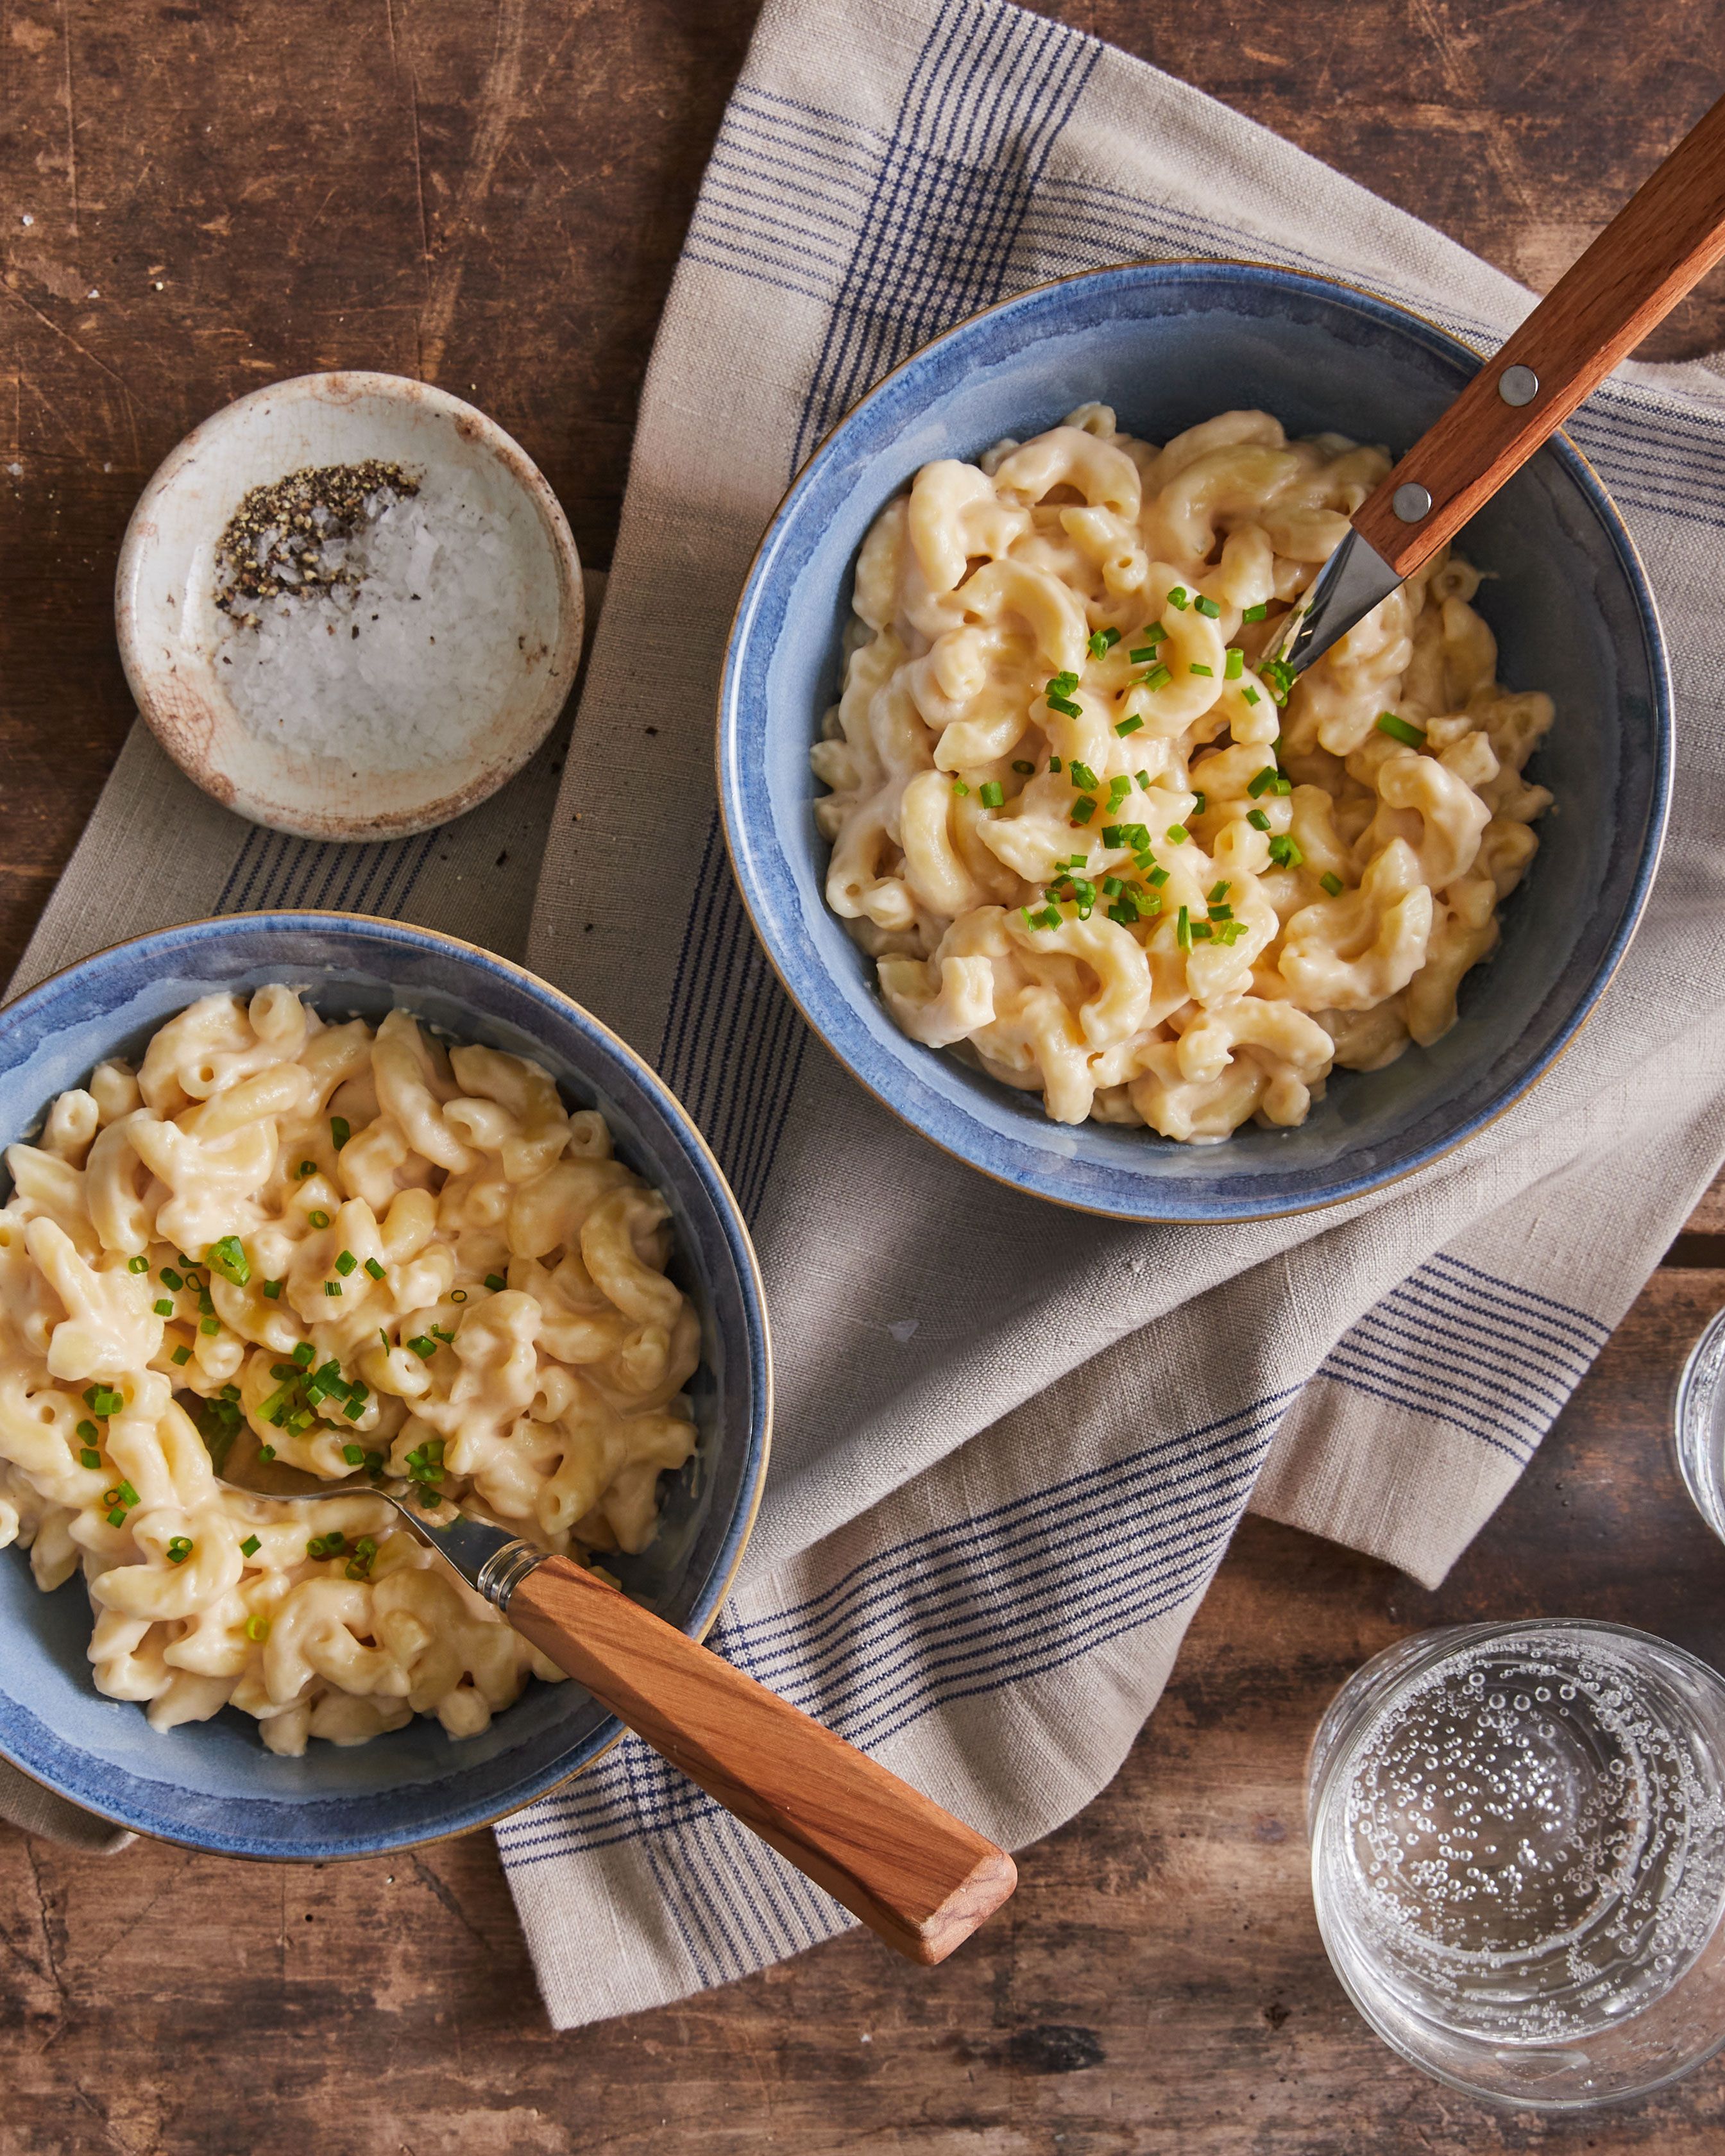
point(211, 1785)
point(1168, 344)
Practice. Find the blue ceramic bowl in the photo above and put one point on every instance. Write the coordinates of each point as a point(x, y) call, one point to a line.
point(212, 1784)
point(1167, 344)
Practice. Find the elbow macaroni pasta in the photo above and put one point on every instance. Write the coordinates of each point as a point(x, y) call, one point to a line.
point(268, 1198)
point(1086, 849)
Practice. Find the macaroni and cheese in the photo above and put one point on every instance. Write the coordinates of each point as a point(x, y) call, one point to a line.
point(1101, 846)
point(379, 1252)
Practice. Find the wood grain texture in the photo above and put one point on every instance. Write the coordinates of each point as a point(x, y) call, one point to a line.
point(1660, 245)
point(919, 1877)
point(498, 188)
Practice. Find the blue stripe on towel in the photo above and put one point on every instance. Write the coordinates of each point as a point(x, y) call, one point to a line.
point(1462, 1347)
point(959, 1610)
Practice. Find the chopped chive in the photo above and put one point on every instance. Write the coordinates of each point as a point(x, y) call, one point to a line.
point(1183, 930)
point(1207, 607)
point(353, 1454)
point(1208, 672)
point(1198, 803)
point(301, 1421)
point(1234, 663)
point(273, 1290)
point(306, 1168)
point(1159, 677)
point(90, 1457)
point(1054, 763)
point(88, 1432)
point(1220, 891)
point(209, 1326)
point(137, 1264)
point(1143, 779)
point(423, 1347)
point(1064, 704)
point(1083, 808)
point(1102, 642)
point(1082, 776)
point(1063, 684)
point(340, 1130)
point(250, 1546)
point(171, 1279)
point(438, 1333)
point(992, 794)
point(1256, 612)
point(1332, 884)
point(384, 1337)
point(1178, 597)
point(1202, 932)
point(1251, 695)
point(1221, 913)
point(319, 1219)
point(458, 1295)
point(373, 1268)
point(1262, 781)
point(495, 1280)
point(1399, 730)
point(345, 1263)
point(1277, 677)
point(266, 1452)
point(1128, 726)
point(305, 1354)
point(117, 1518)
point(181, 1356)
point(1178, 834)
point(1112, 886)
point(332, 1287)
point(256, 1627)
point(1158, 875)
point(164, 1308)
point(959, 787)
point(1258, 820)
point(1286, 853)
point(205, 1308)
point(228, 1257)
point(178, 1550)
point(1024, 770)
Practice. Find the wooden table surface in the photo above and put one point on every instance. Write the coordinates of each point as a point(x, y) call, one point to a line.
point(198, 197)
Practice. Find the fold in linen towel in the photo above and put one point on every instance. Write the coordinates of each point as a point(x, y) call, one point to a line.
point(1012, 1442)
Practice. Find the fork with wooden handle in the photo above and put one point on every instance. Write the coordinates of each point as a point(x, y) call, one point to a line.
point(920, 1878)
point(1663, 241)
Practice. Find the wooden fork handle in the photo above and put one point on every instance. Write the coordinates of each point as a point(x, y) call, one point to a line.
point(920, 1878)
point(1666, 238)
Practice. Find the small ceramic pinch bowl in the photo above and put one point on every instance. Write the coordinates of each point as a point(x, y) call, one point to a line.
point(211, 1785)
point(174, 640)
point(1167, 344)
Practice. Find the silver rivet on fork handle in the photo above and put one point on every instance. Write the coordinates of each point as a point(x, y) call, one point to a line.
point(1411, 501)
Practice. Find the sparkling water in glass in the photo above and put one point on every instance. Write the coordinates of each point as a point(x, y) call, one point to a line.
point(1518, 1857)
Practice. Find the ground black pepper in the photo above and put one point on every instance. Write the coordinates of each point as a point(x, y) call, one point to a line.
point(286, 516)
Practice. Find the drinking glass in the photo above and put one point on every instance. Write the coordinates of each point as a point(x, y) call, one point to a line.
point(1518, 1857)
point(1700, 1428)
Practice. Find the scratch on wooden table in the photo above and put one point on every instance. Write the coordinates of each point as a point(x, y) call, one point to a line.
point(84, 351)
point(412, 75)
point(71, 111)
point(1462, 78)
point(497, 116)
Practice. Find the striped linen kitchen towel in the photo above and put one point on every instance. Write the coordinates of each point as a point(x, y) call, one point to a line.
point(1012, 1442)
